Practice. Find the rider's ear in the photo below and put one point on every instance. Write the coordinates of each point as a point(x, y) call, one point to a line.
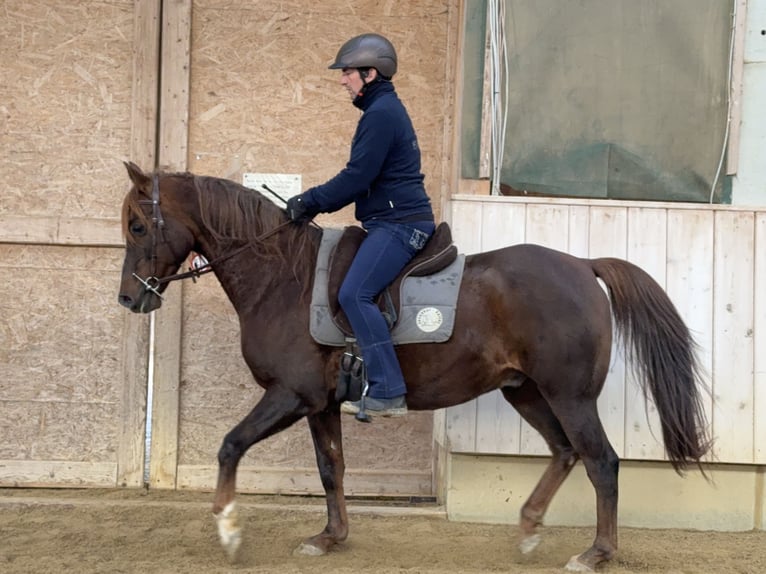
point(138, 177)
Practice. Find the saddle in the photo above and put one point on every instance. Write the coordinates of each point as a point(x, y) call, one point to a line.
point(438, 253)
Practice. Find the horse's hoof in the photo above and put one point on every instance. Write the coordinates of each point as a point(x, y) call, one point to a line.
point(575, 565)
point(529, 543)
point(306, 549)
point(229, 530)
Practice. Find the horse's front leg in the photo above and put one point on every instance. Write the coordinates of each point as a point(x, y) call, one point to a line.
point(277, 410)
point(326, 432)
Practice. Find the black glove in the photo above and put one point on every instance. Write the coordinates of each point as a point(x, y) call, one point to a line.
point(296, 209)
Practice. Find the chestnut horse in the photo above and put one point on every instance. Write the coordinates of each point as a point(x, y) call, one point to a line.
point(531, 321)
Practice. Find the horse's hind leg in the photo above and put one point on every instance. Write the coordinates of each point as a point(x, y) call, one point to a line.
point(580, 420)
point(326, 432)
point(530, 404)
point(277, 410)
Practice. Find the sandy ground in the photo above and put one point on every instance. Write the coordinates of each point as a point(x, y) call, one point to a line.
point(173, 532)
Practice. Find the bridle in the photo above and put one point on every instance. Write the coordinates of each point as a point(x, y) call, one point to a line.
point(153, 283)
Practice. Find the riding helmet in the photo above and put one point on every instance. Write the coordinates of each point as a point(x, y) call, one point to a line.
point(367, 51)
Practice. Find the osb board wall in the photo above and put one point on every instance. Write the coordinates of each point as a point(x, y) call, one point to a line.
point(66, 349)
point(60, 347)
point(78, 97)
point(263, 100)
point(65, 106)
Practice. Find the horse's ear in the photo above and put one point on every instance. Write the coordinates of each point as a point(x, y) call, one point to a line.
point(138, 177)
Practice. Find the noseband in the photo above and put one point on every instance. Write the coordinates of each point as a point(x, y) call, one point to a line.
point(153, 283)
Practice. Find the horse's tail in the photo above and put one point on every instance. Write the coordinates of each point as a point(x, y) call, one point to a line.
point(663, 353)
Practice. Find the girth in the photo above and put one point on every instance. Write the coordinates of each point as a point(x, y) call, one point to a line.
point(437, 254)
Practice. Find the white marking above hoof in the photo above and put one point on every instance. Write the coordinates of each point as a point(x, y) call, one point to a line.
point(229, 530)
point(308, 550)
point(529, 543)
point(574, 565)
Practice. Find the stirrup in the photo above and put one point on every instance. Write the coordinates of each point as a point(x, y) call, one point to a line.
point(362, 416)
point(351, 374)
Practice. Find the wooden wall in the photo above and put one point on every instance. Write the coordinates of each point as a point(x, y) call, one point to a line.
point(261, 99)
point(218, 87)
point(711, 260)
point(72, 364)
point(246, 90)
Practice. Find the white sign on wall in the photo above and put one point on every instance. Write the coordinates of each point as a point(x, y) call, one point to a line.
point(285, 185)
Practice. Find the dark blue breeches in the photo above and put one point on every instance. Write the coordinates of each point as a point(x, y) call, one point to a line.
point(385, 251)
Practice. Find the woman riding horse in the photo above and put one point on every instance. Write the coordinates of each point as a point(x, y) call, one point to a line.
point(383, 179)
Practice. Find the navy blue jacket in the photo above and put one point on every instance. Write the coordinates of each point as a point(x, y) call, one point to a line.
point(382, 175)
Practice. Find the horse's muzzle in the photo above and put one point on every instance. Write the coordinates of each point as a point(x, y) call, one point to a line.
point(145, 303)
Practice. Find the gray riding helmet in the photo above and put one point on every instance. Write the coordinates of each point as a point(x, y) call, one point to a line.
point(367, 51)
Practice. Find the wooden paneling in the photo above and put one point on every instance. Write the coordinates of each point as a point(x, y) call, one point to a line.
point(690, 282)
point(76, 96)
point(733, 352)
point(759, 339)
point(647, 242)
point(135, 336)
point(173, 141)
point(709, 259)
point(499, 418)
point(262, 100)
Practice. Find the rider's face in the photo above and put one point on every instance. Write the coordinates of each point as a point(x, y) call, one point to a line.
point(351, 79)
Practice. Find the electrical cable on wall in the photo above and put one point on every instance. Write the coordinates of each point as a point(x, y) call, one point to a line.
point(728, 102)
point(498, 81)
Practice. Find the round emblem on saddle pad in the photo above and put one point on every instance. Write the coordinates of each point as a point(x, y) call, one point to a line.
point(429, 319)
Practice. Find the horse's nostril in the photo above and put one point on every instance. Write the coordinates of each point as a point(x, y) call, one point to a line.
point(125, 301)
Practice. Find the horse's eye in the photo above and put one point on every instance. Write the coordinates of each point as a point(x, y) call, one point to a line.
point(137, 229)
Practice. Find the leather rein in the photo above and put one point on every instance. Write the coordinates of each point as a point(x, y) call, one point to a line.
point(153, 283)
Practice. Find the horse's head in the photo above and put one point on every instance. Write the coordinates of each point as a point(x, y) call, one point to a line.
point(157, 239)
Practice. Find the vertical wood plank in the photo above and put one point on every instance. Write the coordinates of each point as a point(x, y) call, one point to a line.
point(735, 88)
point(759, 338)
point(546, 225)
point(647, 234)
point(146, 54)
point(173, 150)
point(498, 425)
point(135, 351)
point(733, 352)
point(608, 238)
point(460, 420)
point(502, 225)
point(174, 93)
point(690, 282)
point(579, 231)
point(466, 225)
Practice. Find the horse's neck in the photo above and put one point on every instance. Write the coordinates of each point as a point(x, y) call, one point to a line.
point(254, 281)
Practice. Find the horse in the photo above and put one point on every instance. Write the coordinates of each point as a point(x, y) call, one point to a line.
point(530, 321)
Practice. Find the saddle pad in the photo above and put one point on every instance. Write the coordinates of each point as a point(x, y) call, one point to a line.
point(427, 313)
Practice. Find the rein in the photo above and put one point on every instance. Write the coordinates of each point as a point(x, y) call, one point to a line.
point(153, 283)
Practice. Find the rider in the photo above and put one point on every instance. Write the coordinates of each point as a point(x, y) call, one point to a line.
point(383, 179)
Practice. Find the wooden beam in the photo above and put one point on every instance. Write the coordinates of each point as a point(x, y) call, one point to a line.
point(54, 230)
point(173, 148)
point(306, 481)
point(735, 89)
point(47, 473)
point(131, 434)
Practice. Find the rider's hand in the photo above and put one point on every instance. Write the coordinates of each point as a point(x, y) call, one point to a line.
point(296, 209)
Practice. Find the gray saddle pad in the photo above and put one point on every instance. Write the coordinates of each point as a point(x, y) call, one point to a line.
point(427, 313)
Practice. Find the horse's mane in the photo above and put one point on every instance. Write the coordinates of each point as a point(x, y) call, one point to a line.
point(235, 215)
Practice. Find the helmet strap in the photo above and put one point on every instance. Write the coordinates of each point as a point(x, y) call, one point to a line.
point(364, 73)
